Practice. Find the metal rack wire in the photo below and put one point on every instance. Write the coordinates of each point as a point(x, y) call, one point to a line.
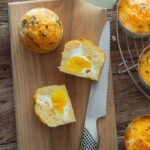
point(130, 54)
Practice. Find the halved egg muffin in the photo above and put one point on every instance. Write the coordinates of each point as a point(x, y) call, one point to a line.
point(82, 58)
point(53, 106)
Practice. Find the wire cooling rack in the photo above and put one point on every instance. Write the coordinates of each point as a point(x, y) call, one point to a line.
point(130, 53)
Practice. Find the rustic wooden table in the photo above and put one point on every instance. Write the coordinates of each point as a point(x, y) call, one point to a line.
point(129, 102)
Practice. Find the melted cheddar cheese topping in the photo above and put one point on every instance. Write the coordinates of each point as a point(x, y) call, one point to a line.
point(134, 15)
point(137, 135)
point(144, 66)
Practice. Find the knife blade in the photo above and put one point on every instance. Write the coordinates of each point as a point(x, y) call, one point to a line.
point(98, 97)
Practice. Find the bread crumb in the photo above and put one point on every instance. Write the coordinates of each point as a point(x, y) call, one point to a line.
point(114, 38)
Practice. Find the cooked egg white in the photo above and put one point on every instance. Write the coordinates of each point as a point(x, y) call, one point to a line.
point(44, 100)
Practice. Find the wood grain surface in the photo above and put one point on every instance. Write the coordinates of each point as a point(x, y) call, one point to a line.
point(31, 71)
point(129, 102)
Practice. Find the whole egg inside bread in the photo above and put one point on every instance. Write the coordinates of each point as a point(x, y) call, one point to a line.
point(53, 106)
point(82, 58)
point(137, 136)
point(40, 30)
point(134, 15)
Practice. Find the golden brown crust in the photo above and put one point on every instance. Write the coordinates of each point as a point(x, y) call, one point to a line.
point(39, 116)
point(40, 30)
point(137, 136)
point(75, 43)
point(134, 15)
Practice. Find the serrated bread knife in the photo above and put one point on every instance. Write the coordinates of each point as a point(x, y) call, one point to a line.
point(98, 97)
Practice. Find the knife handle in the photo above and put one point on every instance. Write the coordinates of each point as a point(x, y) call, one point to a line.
point(90, 135)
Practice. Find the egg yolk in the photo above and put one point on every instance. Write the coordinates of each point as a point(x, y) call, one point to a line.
point(59, 100)
point(77, 64)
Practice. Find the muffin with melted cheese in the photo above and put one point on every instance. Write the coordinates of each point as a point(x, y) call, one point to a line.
point(82, 58)
point(144, 67)
point(53, 106)
point(134, 17)
point(137, 136)
point(40, 30)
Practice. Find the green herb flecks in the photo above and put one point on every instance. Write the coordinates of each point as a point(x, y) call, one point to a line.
point(148, 59)
point(33, 20)
point(58, 22)
point(24, 23)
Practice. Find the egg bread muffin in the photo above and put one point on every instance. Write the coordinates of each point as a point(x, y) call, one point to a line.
point(40, 30)
point(144, 67)
point(82, 58)
point(52, 105)
point(137, 136)
point(134, 16)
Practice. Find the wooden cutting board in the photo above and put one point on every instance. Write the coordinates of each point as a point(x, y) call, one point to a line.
point(31, 71)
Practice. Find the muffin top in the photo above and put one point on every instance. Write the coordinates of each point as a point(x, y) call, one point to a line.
point(144, 66)
point(40, 30)
point(134, 15)
point(137, 135)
